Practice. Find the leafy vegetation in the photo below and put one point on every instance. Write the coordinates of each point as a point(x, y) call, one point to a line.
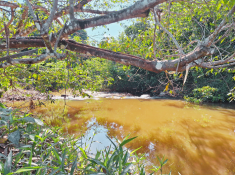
point(54, 75)
point(204, 94)
point(148, 38)
point(31, 147)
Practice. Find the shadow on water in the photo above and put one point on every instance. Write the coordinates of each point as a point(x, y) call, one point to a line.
point(191, 151)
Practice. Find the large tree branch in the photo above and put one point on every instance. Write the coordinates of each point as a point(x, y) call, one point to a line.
point(220, 62)
point(37, 23)
point(139, 9)
point(8, 4)
point(32, 60)
point(77, 8)
point(170, 35)
point(12, 18)
point(154, 66)
point(18, 55)
point(216, 67)
point(7, 42)
point(20, 24)
point(71, 10)
point(97, 11)
point(48, 22)
point(107, 54)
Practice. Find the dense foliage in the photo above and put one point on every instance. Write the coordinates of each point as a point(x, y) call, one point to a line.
point(144, 38)
point(139, 81)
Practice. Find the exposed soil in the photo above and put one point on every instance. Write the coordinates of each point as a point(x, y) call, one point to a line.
point(17, 94)
point(32, 95)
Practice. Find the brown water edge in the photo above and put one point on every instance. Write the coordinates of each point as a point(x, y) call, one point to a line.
point(196, 139)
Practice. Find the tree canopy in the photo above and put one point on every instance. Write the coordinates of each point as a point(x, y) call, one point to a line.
point(48, 25)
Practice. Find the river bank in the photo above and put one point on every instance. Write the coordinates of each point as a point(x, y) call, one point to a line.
point(17, 94)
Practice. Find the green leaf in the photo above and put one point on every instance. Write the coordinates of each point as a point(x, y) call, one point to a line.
point(2, 106)
point(112, 142)
point(28, 119)
point(33, 120)
point(31, 156)
point(4, 122)
point(165, 162)
point(127, 141)
point(57, 155)
point(1, 167)
point(18, 157)
point(14, 137)
point(26, 169)
point(83, 153)
point(73, 166)
point(63, 159)
point(8, 163)
point(97, 155)
point(222, 40)
point(125, 171)
point(135, 150)
point(4, 113)
point(2, 155)
point(99, 163)
point(159, 160)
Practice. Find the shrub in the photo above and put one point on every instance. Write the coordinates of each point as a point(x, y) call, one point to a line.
point(204, 94)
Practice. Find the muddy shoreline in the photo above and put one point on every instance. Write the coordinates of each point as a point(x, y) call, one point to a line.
point(26, 95)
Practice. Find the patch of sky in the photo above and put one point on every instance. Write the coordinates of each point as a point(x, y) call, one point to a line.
point(98, 33)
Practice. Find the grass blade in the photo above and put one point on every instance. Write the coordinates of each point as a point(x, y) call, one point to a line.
point(56, 155)
point(8, 163)
point(126, 169)
point(127, 141)
point(26, 169)
point(63, 159)
point(112, 142)
point(100, 164)
point(83, 153)
point(135, 150)
point(73, 166)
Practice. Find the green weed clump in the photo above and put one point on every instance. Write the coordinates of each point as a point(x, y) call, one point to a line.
point(204, 94)
point(27, 146)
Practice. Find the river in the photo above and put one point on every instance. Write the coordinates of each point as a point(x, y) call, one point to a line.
point(195, 139)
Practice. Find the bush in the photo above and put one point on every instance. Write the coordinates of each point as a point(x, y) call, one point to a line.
point(204, 94)
point(221, 80)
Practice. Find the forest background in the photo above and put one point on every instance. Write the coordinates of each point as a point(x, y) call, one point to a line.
point(145, 39)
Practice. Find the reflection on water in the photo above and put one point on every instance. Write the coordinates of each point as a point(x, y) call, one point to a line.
point(195, 139)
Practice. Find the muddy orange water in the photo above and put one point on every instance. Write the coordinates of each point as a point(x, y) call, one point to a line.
point(195, 139)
